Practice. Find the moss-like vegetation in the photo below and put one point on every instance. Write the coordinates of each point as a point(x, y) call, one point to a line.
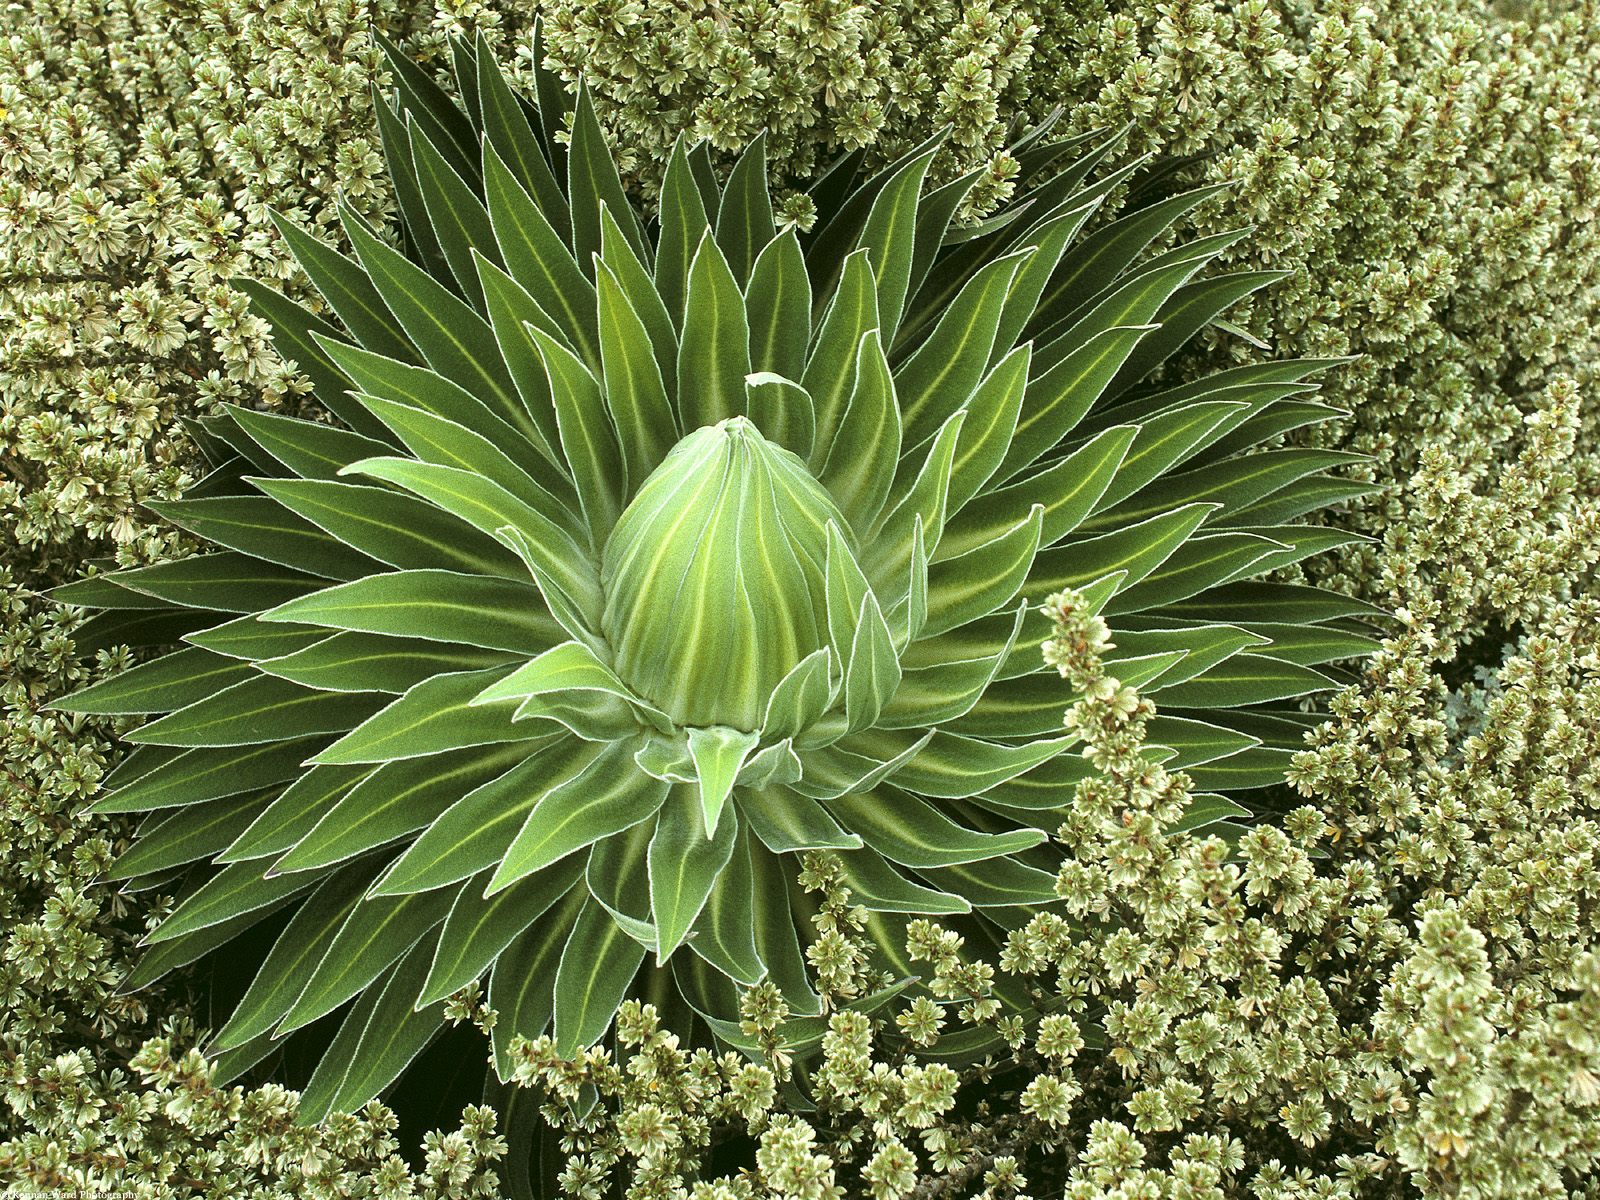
point(1389, 989)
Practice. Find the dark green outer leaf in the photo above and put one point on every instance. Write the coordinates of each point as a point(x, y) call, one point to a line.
point(479, 928)
point(441, 606)
point(598, 963)
point(260, 709)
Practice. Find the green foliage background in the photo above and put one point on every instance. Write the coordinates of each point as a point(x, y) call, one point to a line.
point(1394, 993)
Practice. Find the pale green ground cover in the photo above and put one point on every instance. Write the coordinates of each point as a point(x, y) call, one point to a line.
point(1393, 991)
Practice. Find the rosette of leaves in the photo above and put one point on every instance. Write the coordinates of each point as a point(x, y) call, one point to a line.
point(645, 556)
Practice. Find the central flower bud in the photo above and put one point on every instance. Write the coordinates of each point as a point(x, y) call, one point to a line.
point(714, 576)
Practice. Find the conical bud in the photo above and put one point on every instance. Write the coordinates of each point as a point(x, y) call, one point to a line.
point(714, 576)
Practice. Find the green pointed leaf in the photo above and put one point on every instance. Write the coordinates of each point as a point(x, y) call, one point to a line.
point(1194, 741)
point(1203, 646)
point(488, 507)
point(287, 818)
point(724, 934)
point(459, 218)
point(635, 392)
point(422, 98)
point(778, 307)
point(846, 588)
point(225, 582)
point(522, 984)
point(377, 932)
point(295, 330)
point(536, 256)
point(890, 235)
point(592, 181)
point(480, 927)
point(264, 529)
point(949, 766)
point(995, 883)
point(1246, 679)
point(1206, 809)
point(982, 580)
point(102, 591)
point(1312, 494)
point(251, 640)
point(195, 776)
point(161, 685)
point(777, 942)
point(421, 240)
point(1050, 237)
point(947, 691)
point(1057, 399)
point(474, 832)
point(1133, 301)
point(1310, 646)
point(872, 672)
point(1104, 256)
point(1198, 564)
point(718, 753)
point(435, 715)
point(801, 697)
point(507, 426)
point(888, 556)
point(454, 340)
point(349, 292)
point(861, 463)
point(398, 798)
point(1138, 549)
point(392, 1036)
point(392, 527)
point(608, 796)
point(180, 952)
point(373, 662)
point(683, 224)
point(831, 370)
point(511, 311)
point(562, 670)
point(197, 831)
point(684, 863)
point(505, 125)
point(877, 886)
point(312, 449)
point(633, 277)
point(614, 879)
point(1068, 490)
point(937, 380)
point(908, 831)
point(260, 709)
point(715, 354)
point(598, 963)
point(744, 221)
point(437, 606)
point(782, 411)
point(1234, 484)
point(1246, 603)
point(1258, 767)
point(1164, 441)
point(991, 421)
point(231, 892)
point(1189, 311)
point(786, 821)
point(448, 443)
point(856, 764)
point(295, 954)
point(588, 437)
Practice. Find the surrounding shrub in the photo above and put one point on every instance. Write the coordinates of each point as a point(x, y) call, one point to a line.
point(1427, 172)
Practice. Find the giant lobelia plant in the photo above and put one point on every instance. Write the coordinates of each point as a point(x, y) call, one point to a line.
point(644, 557)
